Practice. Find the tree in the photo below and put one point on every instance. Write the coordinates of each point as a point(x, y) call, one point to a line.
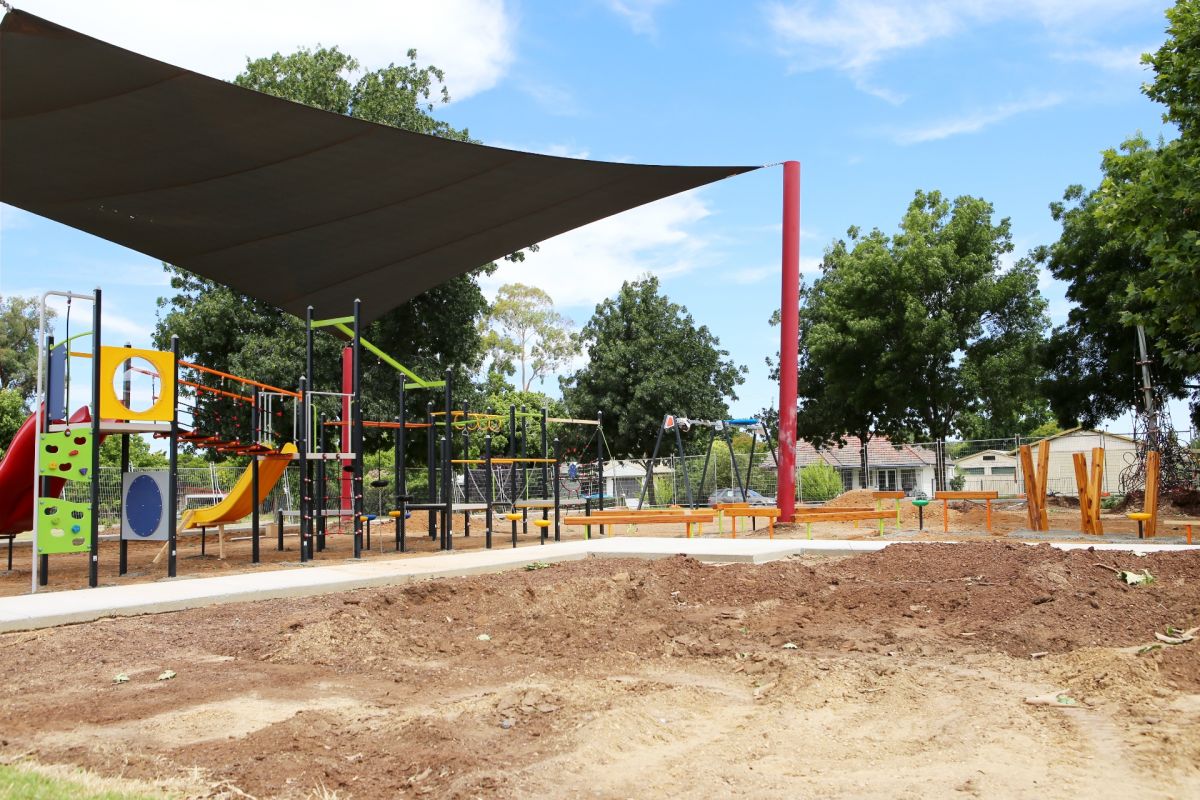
point(844, 334)
point(140, 454)
point(522, 325)
point(1130, 252)
point(18, 344)
point(1090, 360)
point(647, 358)
point(235, 333)
point(922, 333)
point(820, 482)
point(12, 415)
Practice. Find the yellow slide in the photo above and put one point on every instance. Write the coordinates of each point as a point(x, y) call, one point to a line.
point(237, 503)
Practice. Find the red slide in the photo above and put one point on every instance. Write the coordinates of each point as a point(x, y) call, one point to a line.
point(16, 477)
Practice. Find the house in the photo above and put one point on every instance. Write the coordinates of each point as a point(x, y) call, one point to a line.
point(890, 467)
point(990, 471)
point(1000, 470)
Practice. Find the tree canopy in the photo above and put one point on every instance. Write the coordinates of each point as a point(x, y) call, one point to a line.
point(232, 332)
point(522, 328)
point(921, 334)
point(18, 344)
point(1130, 252)
point(648, 358)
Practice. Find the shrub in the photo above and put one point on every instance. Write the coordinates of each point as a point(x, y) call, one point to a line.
point(820, 482)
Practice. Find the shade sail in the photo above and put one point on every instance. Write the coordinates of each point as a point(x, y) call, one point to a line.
point(290, 204)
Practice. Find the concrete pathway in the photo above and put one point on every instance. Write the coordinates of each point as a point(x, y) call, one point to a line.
point(48, 609)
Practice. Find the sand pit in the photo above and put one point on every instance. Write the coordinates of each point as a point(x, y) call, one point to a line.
point(898, 674)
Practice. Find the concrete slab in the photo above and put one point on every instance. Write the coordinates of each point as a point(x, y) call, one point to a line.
point(48, 609)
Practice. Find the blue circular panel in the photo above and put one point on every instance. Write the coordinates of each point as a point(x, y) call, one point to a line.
point(144, 506)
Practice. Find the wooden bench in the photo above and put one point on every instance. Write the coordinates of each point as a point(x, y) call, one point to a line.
point(896, 497)
point(643, 518)
point(854, 515)
point(946, 497)
point(753, 512)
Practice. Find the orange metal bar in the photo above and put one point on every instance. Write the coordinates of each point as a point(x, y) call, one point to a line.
point(238, 378)
point(221, 392)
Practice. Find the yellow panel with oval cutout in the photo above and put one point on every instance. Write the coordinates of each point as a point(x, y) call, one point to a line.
point(111, 407)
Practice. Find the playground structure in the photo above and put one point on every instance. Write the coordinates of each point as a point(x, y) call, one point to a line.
point(678, 425)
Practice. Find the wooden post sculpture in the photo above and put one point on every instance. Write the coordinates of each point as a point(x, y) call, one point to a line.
point(1150, 504)
point(1035, 484)
point(1089, 483)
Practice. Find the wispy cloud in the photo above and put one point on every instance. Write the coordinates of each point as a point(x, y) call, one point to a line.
point(639, 14)
point(974, 121)
point(552, 98)
point(583, 266)
point(853, 36)
point(473, 41)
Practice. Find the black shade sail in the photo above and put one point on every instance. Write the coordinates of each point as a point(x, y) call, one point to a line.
point(290, 204)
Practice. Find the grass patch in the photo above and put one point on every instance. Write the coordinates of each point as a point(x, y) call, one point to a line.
point(24, 781)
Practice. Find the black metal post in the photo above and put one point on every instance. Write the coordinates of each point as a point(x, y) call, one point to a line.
point(321, 501)
point(487, 494)
point(712, 439)
point(356, 418)
point(431, 478)
point(447, 467)
point(401, 478)
point(305, 489)
point(94, 549)
point(557, 492)
point(687, 480)
point(126, 398)
point(650, 466)
point(737, 473)
point(254, 487)
point(279, 529)
point(545, 454)
point(172, 467)
point(600, 458)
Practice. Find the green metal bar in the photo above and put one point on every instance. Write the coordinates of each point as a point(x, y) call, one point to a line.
point(340, 321)
point(64, 342)
point(418, 381)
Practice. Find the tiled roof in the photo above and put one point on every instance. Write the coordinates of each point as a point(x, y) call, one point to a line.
point(880, 453)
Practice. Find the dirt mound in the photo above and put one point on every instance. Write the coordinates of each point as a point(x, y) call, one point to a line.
point(620, 678)
point(854, 498)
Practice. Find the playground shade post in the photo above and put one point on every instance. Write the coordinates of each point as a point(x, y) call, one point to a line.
point(789, 344)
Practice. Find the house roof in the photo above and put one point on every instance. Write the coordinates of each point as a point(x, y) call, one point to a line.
point(1079, 430)
point(880, 453)
point(289, 204)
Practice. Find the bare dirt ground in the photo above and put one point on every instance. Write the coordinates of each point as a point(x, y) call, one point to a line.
point(966, 522)
point(904, 673)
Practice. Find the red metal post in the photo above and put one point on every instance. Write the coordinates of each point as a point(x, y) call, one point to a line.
point(789, 333)
point(344, 431)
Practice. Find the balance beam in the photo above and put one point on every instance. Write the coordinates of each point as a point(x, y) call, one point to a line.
point(810, 516)
point(946, 497)
point(636, 519)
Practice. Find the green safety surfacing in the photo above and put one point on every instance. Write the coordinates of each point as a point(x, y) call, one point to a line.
point(67, 454)
point(63, 526)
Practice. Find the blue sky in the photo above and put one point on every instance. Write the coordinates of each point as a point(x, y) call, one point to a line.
point(1010, 101)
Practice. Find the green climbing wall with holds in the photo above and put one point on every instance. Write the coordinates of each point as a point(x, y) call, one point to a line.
point(67, 454)
point(63, 526)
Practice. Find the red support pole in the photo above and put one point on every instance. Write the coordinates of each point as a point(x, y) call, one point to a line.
point(344, 436)
point(789, 335)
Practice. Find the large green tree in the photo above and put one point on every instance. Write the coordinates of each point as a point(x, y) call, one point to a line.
point(18, 344)
point(924, 334)
point(647, 358)
point(232, 332)
point(1130, 252)
point(523, 332)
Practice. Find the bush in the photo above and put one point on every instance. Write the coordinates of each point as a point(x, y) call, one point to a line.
point(820, 482)
point(958, 481)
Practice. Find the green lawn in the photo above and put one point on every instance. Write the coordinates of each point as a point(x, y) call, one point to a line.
point(18, 783)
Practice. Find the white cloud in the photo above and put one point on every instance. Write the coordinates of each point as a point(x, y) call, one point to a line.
point(638, 13)
point(974, 121)
point(471, 40)
point(582, 267)
point(855, 35)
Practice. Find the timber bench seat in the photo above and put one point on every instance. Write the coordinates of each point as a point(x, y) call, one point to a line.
point(946, 497)
point(643, 518)
point(753, 512)
point(809, 516)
